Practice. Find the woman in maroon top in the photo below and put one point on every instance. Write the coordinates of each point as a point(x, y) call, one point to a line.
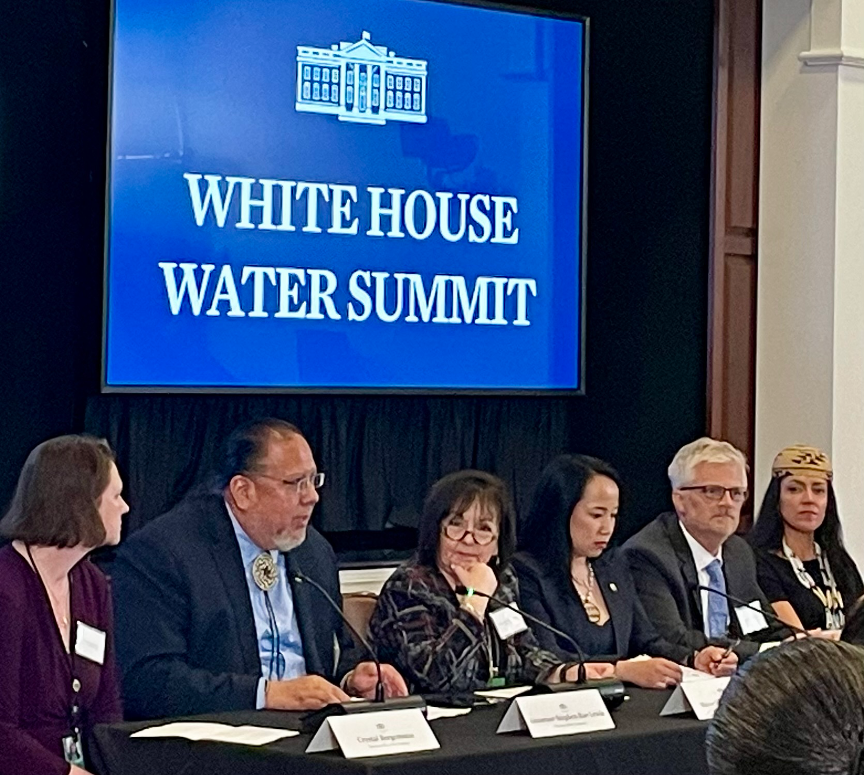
point(57, 672)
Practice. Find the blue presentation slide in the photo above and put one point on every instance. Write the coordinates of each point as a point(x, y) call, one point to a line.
point(339, 194)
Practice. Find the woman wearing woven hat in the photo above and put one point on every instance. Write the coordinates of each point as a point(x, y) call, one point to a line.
point(804, 569)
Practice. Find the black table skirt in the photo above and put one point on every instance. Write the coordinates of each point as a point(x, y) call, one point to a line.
point(642, 742)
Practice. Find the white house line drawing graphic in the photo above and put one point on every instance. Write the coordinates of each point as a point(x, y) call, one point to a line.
point(361, 82)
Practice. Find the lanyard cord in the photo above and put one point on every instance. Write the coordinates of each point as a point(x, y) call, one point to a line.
point(74, 711)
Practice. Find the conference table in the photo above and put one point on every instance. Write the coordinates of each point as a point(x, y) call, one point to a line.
point(642, 742)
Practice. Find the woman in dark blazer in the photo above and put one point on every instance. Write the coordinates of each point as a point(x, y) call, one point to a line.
point(569, 579)
point(57, 671)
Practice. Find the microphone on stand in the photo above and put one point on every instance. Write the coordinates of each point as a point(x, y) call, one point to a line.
point(611, 690)
point(380, 703)
point(793, 629)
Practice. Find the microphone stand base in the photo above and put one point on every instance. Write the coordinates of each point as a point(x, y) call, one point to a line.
point(611, 690)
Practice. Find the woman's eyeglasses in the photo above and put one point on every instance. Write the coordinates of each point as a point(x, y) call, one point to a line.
point(458, 531)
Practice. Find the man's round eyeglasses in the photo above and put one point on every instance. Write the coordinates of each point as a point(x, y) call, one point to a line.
point(717, 492)
point(298, 485)
point(457, 532)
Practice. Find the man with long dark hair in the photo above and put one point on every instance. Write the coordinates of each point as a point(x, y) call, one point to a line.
point(211, 615)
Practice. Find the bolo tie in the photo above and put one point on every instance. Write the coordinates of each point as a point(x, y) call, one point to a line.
point(266, 574)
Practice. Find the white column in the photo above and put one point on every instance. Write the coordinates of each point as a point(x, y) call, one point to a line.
point(810, 309)
point(343, 69)
point(355, 108)
point(300, 66)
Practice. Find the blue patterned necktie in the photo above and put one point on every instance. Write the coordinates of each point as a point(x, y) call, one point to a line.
point(718, 608)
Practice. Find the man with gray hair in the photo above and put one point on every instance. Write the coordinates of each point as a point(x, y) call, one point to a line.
point(696, 546)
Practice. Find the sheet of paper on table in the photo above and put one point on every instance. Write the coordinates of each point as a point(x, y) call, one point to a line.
point(214, 731)
point(687, 674)
point(504, 692)
point(437, 712)
point(692, 675)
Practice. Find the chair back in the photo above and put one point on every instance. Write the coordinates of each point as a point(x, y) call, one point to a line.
point(358, 608)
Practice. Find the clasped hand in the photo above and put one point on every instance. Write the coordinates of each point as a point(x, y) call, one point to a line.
point(363, 680)
point(477, 576)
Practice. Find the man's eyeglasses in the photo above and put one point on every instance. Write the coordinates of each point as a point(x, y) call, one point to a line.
point(298, 485)
point(717, 492)
point(458, 531)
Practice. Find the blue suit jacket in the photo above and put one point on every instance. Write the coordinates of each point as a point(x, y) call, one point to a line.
point(185, 632)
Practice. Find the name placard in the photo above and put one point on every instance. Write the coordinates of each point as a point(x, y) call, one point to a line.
point(749, 620)
point(507, 622)
point(557, 714)
point(375, 733)
point(699, 696)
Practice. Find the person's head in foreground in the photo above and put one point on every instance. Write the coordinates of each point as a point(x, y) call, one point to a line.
point(798, 708)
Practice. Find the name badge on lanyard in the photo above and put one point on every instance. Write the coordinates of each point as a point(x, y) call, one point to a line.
point(90, 642)
point(73, 751)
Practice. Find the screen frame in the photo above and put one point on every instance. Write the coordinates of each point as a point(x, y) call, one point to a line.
point(579, 390)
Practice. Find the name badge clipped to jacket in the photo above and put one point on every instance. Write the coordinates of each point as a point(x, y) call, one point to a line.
point(507, 622)
point(89, 642)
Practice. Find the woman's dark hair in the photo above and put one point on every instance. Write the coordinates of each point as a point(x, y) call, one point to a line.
point(56, 501)
point(545, 532)
point(853, 630)
point(247, 445)
point(767, 535)
point(455, 493)
point(797, 708)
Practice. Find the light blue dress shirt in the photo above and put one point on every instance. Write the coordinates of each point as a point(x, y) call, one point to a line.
point(702, 559)
point(290, 662)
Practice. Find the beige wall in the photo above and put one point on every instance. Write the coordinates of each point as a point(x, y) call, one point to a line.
point(810, 308)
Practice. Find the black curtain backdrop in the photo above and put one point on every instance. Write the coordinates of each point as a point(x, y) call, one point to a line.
point(648, 201)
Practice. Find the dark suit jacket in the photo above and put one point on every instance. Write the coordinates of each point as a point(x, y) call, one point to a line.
point(186, 639)
point(665, 577)
point(559, 606)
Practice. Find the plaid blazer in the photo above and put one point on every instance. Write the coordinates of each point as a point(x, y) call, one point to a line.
point(419, 627)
